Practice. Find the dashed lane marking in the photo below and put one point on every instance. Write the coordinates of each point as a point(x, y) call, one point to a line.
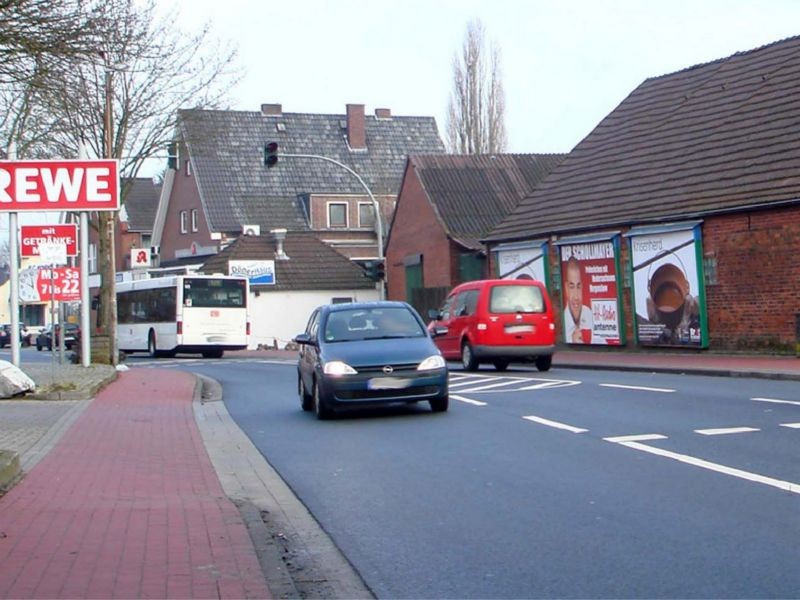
point(635, 438)
point(634, 443)
point(637, 387)
point(776, 401)
point(725, 431)
point(791, 425)
point(555, 424)
point(467, 400)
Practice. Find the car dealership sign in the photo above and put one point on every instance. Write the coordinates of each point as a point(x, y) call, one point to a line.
point(59, 185)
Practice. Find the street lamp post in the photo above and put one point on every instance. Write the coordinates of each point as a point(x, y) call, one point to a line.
point(375, 205)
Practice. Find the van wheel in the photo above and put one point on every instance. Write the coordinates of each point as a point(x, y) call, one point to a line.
point(500, 365)
point(543, 362)
point(306, 400)
point(468, 360)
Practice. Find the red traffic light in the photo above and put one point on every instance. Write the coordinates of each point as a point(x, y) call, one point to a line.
point(270, 154)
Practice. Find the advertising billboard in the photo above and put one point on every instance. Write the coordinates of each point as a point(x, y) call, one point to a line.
point(522, 261)
point(590, 293)
point(666, 289)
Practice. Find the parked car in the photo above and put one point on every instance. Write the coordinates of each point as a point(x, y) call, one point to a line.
point(496, 321)
point(5, 335)
point(363, 354)
point(72, 334)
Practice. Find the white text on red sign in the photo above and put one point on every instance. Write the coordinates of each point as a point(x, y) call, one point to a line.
point(59, 185)
point(33, 235)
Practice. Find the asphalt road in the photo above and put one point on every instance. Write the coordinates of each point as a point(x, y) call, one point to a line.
point(562, 484)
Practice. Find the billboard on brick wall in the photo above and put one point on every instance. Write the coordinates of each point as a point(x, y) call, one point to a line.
point(590, 293)
point(666, 289)
point(522, 261)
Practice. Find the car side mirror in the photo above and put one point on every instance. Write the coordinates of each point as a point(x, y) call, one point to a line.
point(434, 314)
point(304, 339)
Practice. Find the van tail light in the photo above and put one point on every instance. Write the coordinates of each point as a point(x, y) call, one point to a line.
point(552, 326)
point(248, 328)
point(179, 328)
point(481, 327)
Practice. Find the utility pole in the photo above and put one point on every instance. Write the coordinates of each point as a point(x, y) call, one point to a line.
point(106, 226)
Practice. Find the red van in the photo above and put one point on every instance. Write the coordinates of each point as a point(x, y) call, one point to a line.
point(496, 321)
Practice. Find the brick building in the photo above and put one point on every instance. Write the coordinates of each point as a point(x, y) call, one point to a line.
point(680, 211)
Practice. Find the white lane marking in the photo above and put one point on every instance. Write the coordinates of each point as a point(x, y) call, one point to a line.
point(555, 424)
point(704, 464)
point(471, 381)
point(637, 387)
point(725, 431)
point(791, 425)
point(493, 385)
point(635, 438)
point(550, 383)
point(775, 401)
point(467, 400)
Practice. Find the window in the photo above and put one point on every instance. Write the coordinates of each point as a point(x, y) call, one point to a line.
point(710, 269)
point(337, 214)
point(92, 261)
point(194, 219)
point(366, 214)
point(183, 221)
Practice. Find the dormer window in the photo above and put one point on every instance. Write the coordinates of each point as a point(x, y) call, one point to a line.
point(366, 215)
point(337, 215)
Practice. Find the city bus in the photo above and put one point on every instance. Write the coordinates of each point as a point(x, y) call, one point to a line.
point(183, 313)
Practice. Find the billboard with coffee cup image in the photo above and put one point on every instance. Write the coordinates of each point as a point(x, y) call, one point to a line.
point(666, 289)
point(590, 293)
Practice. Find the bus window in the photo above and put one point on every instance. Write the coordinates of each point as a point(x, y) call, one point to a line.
point(214, 293)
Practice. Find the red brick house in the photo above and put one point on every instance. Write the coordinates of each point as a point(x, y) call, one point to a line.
point(446, 204)
point(680, 211)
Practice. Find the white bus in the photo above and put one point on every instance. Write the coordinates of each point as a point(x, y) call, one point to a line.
point(183, 313)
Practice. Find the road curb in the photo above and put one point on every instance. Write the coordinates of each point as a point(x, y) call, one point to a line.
point(10, 469)
point(683, 370)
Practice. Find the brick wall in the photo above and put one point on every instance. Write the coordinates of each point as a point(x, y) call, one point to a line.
point(415, 230)
point(754, 303)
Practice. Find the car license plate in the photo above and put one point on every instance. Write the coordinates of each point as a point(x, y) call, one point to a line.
point(519, 328)
point(387, 383)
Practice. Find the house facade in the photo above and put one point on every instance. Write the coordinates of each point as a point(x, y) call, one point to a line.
point(676, 221)
point(446, 204)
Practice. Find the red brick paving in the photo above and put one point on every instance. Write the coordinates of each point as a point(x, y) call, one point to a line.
point(127, 505)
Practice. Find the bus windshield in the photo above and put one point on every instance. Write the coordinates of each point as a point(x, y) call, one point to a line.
point(215, 293)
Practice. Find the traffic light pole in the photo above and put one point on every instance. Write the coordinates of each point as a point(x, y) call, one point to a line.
point(375, 205)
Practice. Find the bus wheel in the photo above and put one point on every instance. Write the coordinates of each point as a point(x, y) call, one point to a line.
point(216, 353)
point(151, 345)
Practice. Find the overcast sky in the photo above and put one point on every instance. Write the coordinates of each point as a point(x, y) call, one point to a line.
point(565, 64)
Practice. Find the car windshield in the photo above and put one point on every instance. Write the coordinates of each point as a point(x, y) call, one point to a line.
point(372, 324)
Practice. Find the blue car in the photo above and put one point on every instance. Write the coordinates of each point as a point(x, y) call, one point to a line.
point(368, 353)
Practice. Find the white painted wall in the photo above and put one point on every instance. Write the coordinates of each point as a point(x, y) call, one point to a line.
point(280, 316)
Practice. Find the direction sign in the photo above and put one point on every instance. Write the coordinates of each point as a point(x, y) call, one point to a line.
point(33, 235)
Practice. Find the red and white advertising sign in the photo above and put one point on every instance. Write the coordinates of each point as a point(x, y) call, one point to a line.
point(33, 235)
point(140, 258)
point(62, 284)
point(59, 185)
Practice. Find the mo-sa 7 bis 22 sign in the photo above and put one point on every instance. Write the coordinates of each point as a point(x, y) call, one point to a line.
point(59, 185)
point(62, 284)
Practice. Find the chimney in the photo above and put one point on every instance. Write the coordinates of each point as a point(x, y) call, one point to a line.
point(279, 235)
point(356, 132)
point(271, 110)
point(383, 113)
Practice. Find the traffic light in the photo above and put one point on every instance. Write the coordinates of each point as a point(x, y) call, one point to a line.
point(375, 270)
point(270, 154)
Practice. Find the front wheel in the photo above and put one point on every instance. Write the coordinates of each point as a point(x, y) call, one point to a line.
point(468, 360)
point(324, 412)
point(439, 404)
point(544, 362)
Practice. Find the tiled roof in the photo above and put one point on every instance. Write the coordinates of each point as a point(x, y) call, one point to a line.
point(312, 264)
point(141, 203)
point(713, 138)
point(473, 193)
point(226, 149)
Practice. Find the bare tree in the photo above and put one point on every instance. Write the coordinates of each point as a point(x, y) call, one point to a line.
point(476, 111)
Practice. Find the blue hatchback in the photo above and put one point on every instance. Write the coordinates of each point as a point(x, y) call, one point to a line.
point(369, 353)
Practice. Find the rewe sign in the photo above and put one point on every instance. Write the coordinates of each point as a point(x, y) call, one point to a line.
point(59, 185)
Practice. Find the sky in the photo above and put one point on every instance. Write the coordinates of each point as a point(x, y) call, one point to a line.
point(565, 64)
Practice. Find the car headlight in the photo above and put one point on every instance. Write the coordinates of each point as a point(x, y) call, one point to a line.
point(432, 362)
point(337, 367)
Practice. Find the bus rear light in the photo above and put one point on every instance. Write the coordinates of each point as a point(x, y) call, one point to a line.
point(248, 328)
point(179, 327)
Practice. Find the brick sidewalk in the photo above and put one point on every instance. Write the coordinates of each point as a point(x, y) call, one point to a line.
point(128, 505)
